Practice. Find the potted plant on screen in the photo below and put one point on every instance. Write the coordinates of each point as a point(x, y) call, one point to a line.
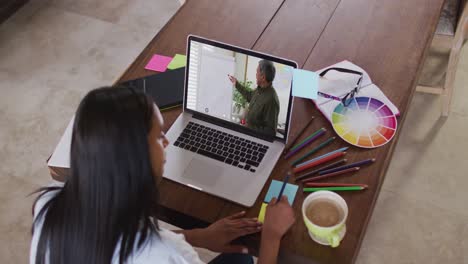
point(240, 103)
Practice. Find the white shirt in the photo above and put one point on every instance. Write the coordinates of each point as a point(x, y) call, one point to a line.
point(169, 248)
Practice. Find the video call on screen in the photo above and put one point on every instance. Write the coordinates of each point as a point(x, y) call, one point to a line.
point(212, 92)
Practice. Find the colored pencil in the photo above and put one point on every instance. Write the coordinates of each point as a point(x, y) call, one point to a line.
point(299, 135)
point(317, 148)
point(326, 167)
point(347, 166)
point(309, 140)
point(285, 181)
point(318, 162)
point(350, 188)
point(331, 174)
point(322, 156)
point(331, 184)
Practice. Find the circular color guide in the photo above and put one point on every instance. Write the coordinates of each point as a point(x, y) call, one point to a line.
point(365, 122)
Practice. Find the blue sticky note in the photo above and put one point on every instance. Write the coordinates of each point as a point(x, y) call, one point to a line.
point(305, 84)
point(275, 187)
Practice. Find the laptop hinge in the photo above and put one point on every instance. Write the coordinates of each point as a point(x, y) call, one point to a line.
point(229, 125)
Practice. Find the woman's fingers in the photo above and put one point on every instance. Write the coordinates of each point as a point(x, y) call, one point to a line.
point(284, 198)
point(248, 231)
point(236, 215)
point(246, 222)
point(238, 232)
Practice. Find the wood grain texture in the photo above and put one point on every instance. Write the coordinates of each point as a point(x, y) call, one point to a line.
point(387, 38)
point(296, 28)
point(226, 21)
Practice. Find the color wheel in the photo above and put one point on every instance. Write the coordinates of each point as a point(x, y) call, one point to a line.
point(366, 122)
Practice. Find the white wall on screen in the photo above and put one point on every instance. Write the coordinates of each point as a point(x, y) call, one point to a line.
point(214, 91)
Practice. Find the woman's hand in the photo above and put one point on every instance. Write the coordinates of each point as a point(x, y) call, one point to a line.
point(279, 217)
point(218, 236)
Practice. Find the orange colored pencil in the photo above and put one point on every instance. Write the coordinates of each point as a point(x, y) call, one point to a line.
point(331, 184)
point(318, 162)
point(332, 174)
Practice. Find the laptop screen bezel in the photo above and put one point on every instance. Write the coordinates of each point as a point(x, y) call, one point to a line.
point(248, 52)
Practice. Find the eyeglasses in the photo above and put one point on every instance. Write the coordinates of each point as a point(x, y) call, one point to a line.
point(348, 98)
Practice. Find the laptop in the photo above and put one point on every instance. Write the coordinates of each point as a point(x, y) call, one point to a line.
point(218, 144)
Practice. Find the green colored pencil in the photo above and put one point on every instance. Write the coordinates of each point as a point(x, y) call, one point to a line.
point(307, 138)
point(350, 188)
point(319, 147)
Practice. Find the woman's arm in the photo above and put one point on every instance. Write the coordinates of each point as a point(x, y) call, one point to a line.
point(219, 235)
point(193, 236)
point(269, 247)
point(279, 217)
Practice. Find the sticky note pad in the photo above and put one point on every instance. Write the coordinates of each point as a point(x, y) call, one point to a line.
point(290, 191)
point(158, 63)
point(178, 61)
point(305, 84)
point(261, 215)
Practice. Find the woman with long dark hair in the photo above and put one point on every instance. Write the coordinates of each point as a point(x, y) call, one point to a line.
point(106, 211)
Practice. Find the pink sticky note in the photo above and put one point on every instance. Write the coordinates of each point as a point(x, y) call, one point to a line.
point(158, 63)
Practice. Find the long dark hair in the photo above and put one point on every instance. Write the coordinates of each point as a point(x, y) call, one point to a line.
point(111, 193)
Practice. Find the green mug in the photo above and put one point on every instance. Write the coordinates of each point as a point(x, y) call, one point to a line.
point(330, 235)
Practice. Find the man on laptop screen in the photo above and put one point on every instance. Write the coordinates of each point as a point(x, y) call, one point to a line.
point(263, 110)
point(240, 88)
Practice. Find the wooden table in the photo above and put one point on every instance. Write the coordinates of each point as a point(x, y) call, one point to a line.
point(388, 38)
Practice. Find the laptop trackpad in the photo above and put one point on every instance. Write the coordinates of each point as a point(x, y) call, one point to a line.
point(202, 172)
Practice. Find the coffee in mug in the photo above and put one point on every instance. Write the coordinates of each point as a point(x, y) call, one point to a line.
point(324, 215)
point(324, 212)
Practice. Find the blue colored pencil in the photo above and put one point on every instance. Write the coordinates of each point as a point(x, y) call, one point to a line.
point(323, 156)
point(293, 151)
point(347, 166)
point(285, 181)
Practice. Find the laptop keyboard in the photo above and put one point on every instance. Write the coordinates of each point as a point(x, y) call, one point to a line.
point(221, 146)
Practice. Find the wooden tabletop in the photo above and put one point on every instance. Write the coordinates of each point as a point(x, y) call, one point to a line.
point(388, 38)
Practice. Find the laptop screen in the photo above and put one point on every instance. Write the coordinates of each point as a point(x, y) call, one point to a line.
point(239, 86)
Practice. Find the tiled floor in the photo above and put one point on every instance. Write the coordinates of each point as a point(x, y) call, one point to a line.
point(53, 51)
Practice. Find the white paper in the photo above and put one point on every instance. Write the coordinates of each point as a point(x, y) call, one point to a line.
point(339, 84)
point(61, 156)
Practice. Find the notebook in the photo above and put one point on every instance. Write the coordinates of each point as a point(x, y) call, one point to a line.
point(166, 89)
point(339, 84)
